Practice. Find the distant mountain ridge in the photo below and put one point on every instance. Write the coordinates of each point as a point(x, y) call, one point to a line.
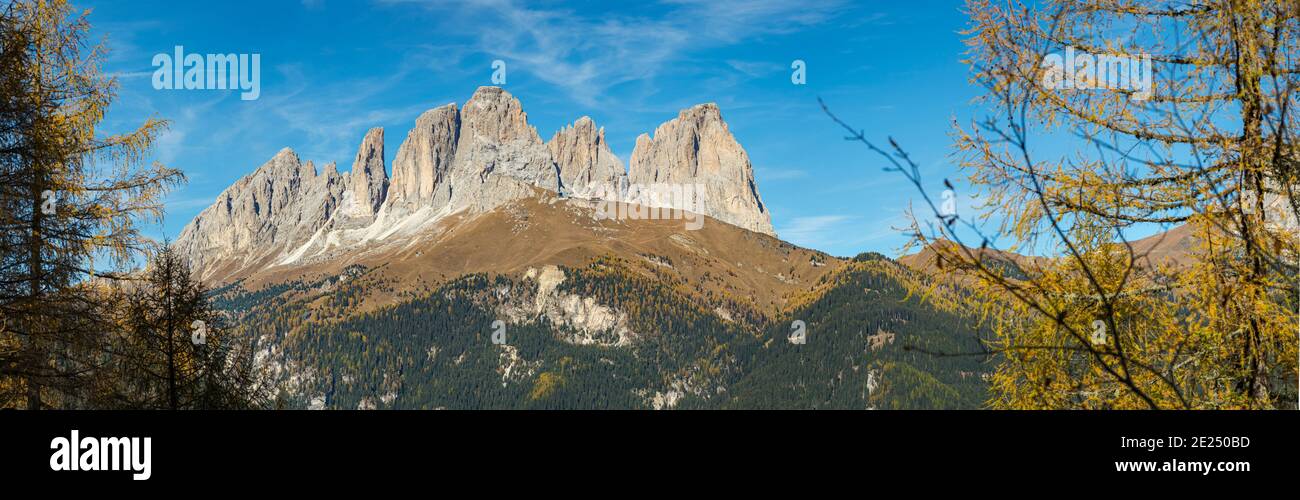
point(457, 162)
point(1175, 247)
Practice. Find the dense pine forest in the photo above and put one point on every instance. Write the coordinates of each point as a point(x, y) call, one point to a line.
point(869, 342)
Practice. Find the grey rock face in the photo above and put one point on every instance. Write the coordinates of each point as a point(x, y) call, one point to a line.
point(472, 160)
point(497, 141)
point(369, 180)
point(585, 161)
point(279, 205)
point(698, 148)
point(475, 158)
point(424, 158)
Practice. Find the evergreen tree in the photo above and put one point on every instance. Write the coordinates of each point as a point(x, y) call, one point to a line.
point(70, 202)
point(173, 352)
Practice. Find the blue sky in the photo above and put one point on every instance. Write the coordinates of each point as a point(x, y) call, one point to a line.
point(332, 69)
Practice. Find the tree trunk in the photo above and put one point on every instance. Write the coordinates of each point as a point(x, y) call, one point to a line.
point(33, 357)
point(171, 336)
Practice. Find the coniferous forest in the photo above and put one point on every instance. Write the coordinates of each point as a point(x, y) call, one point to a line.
point(868, 343)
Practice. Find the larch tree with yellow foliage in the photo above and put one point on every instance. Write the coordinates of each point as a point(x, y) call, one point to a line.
point(1073, 158)
point(71, 199)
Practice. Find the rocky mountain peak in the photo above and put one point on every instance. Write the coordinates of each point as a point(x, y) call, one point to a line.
point(497, 116)
point(285, 164)
point(282, 203)
point(697, 148)
point(702, 114)
point(499, 156)
point(425, 155)
point(584, 158)
point(369, 180)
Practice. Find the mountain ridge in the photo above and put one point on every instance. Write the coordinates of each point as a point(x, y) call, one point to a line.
point(466, 160)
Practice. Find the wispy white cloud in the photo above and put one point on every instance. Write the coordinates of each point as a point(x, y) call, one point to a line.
point(755, 69)
point(586, 55)
point(582, 53)
point(172, 146)
point(179, 203)
point(818, 231)
point(334, 116)
point(836, 232)
point(122, 39)
point(733, 20)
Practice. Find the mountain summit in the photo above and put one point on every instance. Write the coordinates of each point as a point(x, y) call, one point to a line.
point(698, 148)
point(584, 158)
point(454, 165)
